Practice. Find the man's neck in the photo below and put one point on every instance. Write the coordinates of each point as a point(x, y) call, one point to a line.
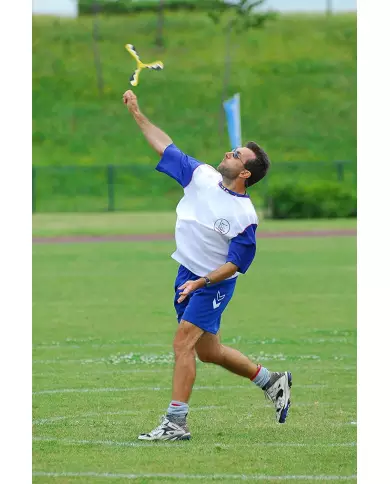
point(234, 185)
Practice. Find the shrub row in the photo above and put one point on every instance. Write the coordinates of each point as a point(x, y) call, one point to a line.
point(322, 199)
point(128, 6)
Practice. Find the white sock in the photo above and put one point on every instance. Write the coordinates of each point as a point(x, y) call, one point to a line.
point(262, 377)
point(178, 410)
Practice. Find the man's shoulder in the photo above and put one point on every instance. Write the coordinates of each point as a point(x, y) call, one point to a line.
point(205, 174)
point(248, 215)
point(210, 170)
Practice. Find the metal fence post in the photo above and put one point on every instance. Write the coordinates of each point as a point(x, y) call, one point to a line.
point(265, 192)
point(34, 173)
point(110, 188)
point(265, 186)
point(340, 171)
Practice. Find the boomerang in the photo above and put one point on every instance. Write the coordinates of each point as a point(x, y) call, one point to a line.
point(157, 65)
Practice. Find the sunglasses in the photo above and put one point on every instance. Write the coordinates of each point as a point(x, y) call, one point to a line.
point(236, 155)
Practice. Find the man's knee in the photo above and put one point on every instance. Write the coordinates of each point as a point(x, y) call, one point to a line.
point(181, 347)
point(186, 338)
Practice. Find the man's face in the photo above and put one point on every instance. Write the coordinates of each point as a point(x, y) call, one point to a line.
point(233, 162)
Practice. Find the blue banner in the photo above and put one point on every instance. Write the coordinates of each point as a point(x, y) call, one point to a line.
point(233, 118)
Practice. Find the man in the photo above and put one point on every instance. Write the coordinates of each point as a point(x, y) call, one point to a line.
point(215, 239)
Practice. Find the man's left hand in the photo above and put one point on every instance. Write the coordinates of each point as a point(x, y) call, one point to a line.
point(188, 287)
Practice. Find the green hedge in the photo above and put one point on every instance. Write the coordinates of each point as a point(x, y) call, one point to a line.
point(315, 200)
point(128, 6)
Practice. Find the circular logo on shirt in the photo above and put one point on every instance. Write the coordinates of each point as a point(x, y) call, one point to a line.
point(222, 226)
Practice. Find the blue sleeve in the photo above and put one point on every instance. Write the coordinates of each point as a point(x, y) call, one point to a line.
point(242, 249)
point(177, 165)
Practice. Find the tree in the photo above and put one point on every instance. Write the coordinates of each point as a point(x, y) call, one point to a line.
point(174, 5)
point(236, 19)
point(96, 50)
point(160, 25)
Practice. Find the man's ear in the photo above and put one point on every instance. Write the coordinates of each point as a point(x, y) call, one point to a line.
point(247, 174)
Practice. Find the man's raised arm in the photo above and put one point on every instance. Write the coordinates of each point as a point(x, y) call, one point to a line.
point(155, 137)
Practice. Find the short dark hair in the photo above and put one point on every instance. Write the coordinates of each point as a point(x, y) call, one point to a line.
point(258, 166)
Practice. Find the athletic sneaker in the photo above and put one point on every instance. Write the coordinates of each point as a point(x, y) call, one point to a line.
point(278, 391)
point(168, 430)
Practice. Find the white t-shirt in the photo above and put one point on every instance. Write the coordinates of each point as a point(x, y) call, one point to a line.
point(214, 225)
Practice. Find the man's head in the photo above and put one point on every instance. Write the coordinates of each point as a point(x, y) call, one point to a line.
point(250, 163)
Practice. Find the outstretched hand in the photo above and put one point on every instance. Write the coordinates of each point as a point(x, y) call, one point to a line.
point(130, 100)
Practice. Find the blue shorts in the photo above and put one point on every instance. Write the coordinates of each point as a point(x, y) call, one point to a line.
point(203, 307)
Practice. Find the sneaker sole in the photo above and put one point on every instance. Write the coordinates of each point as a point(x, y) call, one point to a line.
point(182, 437)
point(185, 437)
point(284, 412)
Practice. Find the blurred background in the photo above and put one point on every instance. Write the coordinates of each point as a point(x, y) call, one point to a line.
point(292, 61)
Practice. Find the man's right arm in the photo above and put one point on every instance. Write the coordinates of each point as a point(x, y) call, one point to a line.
point(174, 162)
point(157, 139)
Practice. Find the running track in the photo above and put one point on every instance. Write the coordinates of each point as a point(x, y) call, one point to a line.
point(78, 239)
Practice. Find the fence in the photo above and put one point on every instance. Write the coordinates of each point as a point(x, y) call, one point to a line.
point(128, 188)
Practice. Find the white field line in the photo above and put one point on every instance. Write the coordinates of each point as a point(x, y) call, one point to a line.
point(285, 360)
point(115, 370)
point(49, 420)
point(116, 443)
point(239, 477)
point(318, 332)
point(58, 345)
point(157, 389)
point(82, 361)
point(43, 421)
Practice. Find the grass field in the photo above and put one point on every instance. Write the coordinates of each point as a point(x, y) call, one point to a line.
point(103, 323)
point(297, 79)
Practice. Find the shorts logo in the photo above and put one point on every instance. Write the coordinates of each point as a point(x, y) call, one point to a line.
point(219, 299)
point(222, 226)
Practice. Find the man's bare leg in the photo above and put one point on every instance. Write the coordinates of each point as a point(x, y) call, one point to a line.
point(187, 335)
point(210, 350)
point(174, 425)
point(275, 384)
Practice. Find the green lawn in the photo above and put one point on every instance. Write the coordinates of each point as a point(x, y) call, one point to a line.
point(103, 324)
point(297, 79)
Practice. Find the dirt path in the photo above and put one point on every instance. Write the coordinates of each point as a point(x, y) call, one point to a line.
point(78, 239)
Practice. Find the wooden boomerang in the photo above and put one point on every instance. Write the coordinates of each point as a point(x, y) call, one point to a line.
point(157, 66)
